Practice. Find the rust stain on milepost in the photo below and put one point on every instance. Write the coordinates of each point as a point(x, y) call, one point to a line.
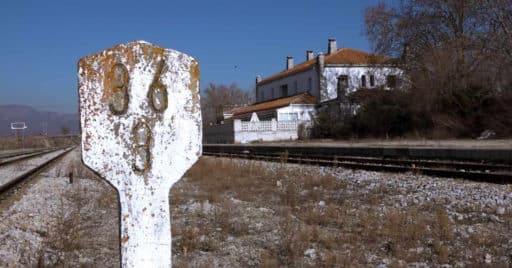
point(194, 84)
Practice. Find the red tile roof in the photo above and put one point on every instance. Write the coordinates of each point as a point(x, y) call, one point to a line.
point(304, 98)
point(342, 56)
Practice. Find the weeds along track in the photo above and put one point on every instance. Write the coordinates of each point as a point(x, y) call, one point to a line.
point(494, 171)
point(16, 168)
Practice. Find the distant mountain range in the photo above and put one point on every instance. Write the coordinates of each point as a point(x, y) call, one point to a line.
point(37, 121)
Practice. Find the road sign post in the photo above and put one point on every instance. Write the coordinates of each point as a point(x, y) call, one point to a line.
point(19, 131)
point(141, 131)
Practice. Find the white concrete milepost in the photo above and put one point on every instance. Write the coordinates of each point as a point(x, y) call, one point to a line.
point(141, 131)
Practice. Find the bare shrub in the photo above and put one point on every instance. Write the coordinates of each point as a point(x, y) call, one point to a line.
point(192, 238)
point(403, 229)
point(444, 225)
point(67, 237)
point(288, 250)
point(290, 195)
point(308, 234)
point(442, 252)
point(268, 260)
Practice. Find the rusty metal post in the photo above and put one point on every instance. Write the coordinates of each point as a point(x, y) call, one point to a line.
point(141, 131)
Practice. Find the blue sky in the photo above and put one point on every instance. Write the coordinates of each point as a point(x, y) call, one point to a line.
point(233, 40)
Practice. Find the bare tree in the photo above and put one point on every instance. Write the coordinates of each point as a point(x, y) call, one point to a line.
point(218, 98)
point(429, 27)
point(500, 20)
point(458, 53)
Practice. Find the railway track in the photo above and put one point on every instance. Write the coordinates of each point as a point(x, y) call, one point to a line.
point(18, 156)
point(10, 154)
point(493, 172)
point(14, 169)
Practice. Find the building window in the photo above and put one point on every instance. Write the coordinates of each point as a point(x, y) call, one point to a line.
point(391, 81)
point(288, 117)
point(342, 85)
point(295, 87)
point(372, 80)
point(273, 93)
point(310, 84)
point(363, 80)
point(262, 95)
point(284, 90)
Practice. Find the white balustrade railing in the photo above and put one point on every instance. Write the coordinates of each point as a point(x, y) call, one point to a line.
point(268, 126)
point(287, 125)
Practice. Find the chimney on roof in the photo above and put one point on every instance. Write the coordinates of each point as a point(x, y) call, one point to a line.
point(309, 55)
point(258, 80)
point(332, 47)
point(321, 61)
point(289, 62)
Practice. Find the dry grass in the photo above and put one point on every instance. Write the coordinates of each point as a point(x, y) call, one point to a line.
point(232, 213)
point(309, 211)
point(12, 143)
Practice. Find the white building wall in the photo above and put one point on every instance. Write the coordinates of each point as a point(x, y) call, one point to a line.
point(354, 74)
point(301, 79)
point(303, 112)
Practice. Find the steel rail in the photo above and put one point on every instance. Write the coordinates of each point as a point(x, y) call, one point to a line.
point(393, 165)
point(14, 181)
point(466, 166)
point(25, 156)
point(13, 154)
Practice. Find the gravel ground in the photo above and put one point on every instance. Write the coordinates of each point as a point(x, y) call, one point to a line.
point(297, 216)
point(235, 213)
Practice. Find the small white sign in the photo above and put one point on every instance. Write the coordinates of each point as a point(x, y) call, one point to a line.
point(18, 125)
point(141, 131)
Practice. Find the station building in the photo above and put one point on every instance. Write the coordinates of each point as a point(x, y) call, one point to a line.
point(286, 102)
point(330, 76)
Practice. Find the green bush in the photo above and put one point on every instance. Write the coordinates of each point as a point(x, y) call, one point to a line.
point(380, 114)
point(462, 113)
point(385, 114)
